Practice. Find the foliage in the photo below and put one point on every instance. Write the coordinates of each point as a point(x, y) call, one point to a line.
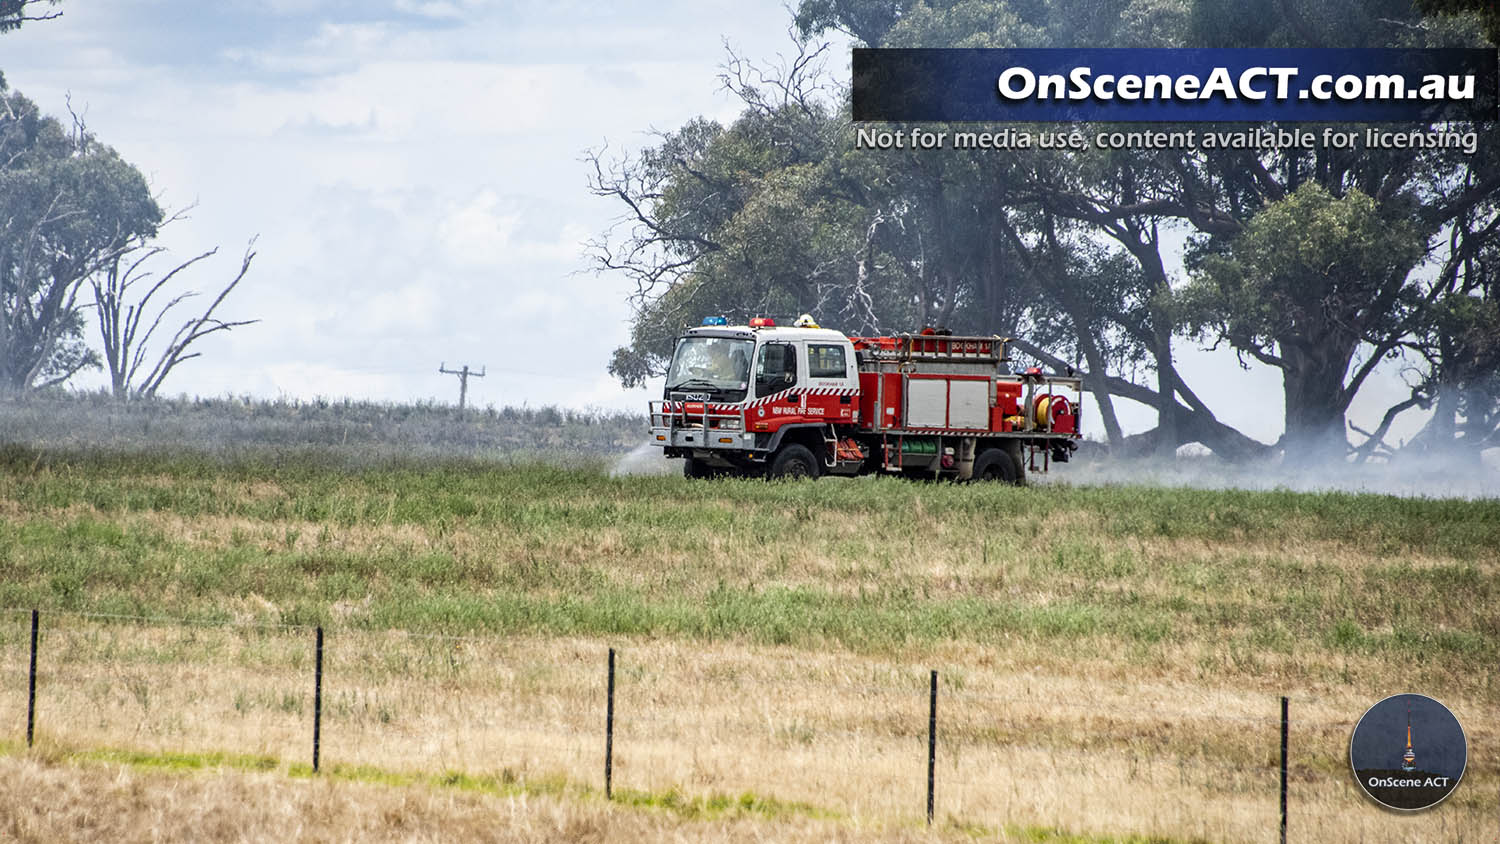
point(781, 209)
point(68, 206)
point(1295, 262)
point(1486, 10)
point(13, 13)
point(1309, 279)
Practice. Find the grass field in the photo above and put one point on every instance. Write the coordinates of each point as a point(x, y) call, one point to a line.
point(1111, 658)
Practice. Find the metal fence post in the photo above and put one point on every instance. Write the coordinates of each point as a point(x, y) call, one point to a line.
point(609, 731)
point(931, 745)
point(317, 698)
point(1283, 767)
point(31, 685)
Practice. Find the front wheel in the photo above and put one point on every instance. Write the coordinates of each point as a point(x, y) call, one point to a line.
point(793, 461)
point(695, 469)
point(995, 464)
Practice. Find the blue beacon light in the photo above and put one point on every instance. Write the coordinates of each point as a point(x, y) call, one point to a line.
point(715, 320)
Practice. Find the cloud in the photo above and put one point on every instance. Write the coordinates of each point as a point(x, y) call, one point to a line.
point(411, 166)
point(439, 9)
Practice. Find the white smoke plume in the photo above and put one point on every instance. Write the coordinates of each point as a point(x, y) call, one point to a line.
point(1408, 475)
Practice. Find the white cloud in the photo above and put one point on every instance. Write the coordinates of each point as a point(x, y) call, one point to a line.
point(415, 183)
point(439, 9)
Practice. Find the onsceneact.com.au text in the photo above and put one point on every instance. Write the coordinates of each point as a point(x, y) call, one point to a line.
point(1255, 83)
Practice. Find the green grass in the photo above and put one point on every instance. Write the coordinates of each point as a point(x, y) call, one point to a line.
point(716, 806)
point(469, 546)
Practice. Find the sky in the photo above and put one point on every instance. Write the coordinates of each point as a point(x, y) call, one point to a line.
point(411, 169)
point(412, 173)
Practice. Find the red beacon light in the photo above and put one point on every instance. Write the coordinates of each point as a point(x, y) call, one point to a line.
point(762, 322)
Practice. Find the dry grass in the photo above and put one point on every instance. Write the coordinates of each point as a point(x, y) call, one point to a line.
point(1028, 739)
point(44, 800)
point(1111, 660)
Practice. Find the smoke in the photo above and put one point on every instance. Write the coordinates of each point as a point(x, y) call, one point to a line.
point(644, 459)
point(1440, 475)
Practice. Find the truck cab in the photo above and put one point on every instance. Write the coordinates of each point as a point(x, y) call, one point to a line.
point(734, 394)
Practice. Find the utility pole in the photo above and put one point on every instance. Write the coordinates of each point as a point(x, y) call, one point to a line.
point(463, 380)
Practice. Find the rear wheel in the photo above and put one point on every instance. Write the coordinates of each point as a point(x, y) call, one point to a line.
point(793, 461)
point(1017, 457)
point(995, 464)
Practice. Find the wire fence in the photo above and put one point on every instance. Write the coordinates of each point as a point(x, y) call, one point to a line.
point(831, 734)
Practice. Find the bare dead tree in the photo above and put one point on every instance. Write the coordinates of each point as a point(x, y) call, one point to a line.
point(135, 371)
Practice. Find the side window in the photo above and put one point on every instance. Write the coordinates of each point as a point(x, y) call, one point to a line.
point(826, 362)
point(775, 368)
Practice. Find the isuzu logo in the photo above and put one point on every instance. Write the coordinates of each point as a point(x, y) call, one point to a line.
point(695, 397)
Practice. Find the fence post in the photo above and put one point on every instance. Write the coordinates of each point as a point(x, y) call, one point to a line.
point(317, 698)
point(609, 731)
point(31, 685)
point(931, 744)
point(1283, 767)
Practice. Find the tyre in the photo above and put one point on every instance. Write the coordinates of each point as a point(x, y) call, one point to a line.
point(995, 464)
point(694, 469)
point(1018, 460)
point(793, 461)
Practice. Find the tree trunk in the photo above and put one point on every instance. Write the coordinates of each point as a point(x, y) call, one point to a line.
point(1166, 391)
point(1312, 384)
point(1098, 386)
point(1441, 429)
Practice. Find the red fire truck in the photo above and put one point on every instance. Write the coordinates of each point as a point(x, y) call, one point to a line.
point(803, 401)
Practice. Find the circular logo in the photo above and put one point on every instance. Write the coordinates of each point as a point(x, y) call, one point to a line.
point(1408, 752)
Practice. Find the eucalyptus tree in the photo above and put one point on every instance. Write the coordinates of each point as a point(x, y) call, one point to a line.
point(69, 205)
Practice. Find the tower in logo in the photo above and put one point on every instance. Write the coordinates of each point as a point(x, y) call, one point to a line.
point(1391, 777)
point(1409, 758)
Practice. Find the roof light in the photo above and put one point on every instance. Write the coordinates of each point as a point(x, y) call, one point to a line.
point(762, 322)
point(715, 320)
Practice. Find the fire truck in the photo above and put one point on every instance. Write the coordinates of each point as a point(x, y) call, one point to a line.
point(801, 401)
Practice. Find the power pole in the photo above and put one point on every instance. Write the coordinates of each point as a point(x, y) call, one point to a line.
point(463, 380)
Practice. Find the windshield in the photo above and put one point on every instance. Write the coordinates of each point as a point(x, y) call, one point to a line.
point(718, 365)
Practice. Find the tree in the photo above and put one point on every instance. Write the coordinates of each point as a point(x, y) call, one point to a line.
point(1460, 344)
point(1486, 10)
point(781, 209)
point(135, 371)
point(1130, 196)
point(1310, 280)
point(13, 13)
point(68, 207)
point(72, 210)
